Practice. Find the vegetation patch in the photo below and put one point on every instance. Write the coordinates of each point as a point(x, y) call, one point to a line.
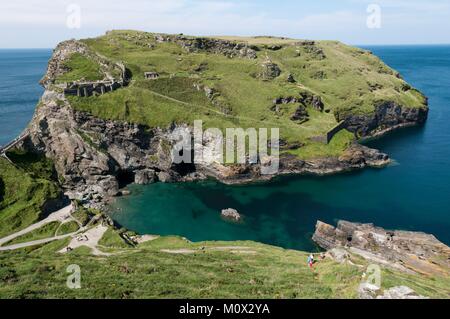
point(80, 67)
point(27, 187)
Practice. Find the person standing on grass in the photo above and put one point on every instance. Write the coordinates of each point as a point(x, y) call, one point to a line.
point(310, 260)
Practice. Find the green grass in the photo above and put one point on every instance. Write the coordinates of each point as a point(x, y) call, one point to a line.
point(84, 215)
point(147, 272)
point(80, 67)
point(46, 231)
point(112, 238)
point(337, 145)
point(67, 228)
point(24, 190)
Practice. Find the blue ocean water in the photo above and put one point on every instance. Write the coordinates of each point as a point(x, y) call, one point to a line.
point(20, 72)
point(412, 194)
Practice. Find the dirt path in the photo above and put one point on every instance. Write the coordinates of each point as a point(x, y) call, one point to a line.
point(89, 239)
point(63, 215)
point(35, 242)
point(231, 249)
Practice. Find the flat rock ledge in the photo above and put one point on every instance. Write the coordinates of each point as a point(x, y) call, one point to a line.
point(369, 291)
point(407, 251)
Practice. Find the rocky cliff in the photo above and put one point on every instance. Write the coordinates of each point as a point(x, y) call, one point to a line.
point(386, 117)
point(412, 252)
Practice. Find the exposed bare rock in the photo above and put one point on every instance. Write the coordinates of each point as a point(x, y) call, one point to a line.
point(231, 215)
point(400, 292)
point(230, 49)
point(269, 70)
point(386, 117)
point(403, 250)
point(369, 291)
point(145, 176)
point(291, 78)
point(312, 100)
point(300, 115)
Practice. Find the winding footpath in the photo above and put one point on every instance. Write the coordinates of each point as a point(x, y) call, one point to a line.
point(62, 215)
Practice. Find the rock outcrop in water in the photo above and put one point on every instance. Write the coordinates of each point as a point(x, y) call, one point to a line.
point(231, 214)
point(412, 252)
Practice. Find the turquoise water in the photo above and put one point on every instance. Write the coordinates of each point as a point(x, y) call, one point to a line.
point(20, 72)
point(413, 194)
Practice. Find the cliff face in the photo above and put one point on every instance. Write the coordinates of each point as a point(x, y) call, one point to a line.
point(386, 117)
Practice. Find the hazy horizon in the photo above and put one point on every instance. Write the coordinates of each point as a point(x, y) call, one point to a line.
point(44, 23)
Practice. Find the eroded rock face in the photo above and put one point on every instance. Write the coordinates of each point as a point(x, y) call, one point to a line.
point(95, 158)
point(145, 176)
point(404, 250)
point(230, 49)
point(387, 116)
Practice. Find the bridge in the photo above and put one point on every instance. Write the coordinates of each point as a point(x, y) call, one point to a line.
point(13, 143)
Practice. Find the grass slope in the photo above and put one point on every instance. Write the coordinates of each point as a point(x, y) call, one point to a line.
point(24, 189)
point(148, 272)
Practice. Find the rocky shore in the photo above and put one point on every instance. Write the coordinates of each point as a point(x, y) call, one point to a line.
point(407, 251)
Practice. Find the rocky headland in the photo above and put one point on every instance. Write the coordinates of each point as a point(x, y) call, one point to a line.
point(95, 156)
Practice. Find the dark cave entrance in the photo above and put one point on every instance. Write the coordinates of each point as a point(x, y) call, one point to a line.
point(185, 168)
point(125, 177)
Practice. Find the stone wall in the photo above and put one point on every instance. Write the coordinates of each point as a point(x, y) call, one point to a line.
point(326, 138)
point(91, 88)
point(331, 133)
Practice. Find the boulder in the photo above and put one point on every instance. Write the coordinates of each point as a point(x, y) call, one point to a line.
point(269, 71)
point(145, 176)
point(164, 177)
point(231, 215)
point(301, 114)
point(290, 78)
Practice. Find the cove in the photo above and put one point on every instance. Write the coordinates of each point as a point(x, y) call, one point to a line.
point(412, 194)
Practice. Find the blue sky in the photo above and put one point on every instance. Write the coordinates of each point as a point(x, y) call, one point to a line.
point(43, 23)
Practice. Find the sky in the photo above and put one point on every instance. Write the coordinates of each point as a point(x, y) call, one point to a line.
point(44, 23)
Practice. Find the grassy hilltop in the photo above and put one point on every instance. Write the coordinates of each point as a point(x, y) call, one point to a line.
point(240, 93)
